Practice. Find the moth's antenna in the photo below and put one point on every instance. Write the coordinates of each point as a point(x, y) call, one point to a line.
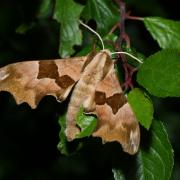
point(122, 52)
point(93, 32)
point(103, 43)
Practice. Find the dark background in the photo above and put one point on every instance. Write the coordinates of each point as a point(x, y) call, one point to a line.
point(29, 138)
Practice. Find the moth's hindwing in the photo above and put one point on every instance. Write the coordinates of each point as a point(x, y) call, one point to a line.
point(116, 120)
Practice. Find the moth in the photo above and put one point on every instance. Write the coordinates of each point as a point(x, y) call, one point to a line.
point(94, 85)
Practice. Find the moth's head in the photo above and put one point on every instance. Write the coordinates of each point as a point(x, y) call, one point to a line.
point(107, 52)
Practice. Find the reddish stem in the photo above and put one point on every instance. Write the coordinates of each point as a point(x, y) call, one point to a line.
point(117, 25)
point(123, 37)
point(134, 18)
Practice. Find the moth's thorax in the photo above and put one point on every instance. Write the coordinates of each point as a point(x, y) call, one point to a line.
point(94, 72)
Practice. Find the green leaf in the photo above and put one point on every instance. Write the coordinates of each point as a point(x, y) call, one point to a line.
point(62, 145)
point(87, 123)
point(23, 28)
point(45, 9)
point(109, 41)
point(160, 74)
point(118, 175)
point(156, 161)
point(84, 51)
point(104, 12)
point(164, 31)
point(65, 147)
point(142, 106)
point(67, 13)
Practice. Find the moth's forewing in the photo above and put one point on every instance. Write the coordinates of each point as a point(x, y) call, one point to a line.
point(30, 81)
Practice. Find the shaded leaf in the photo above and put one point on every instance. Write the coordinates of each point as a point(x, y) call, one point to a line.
point(156, 161)
point(142, 106)
point(118, 175)
point(64, 146)
point(23, 28)
point(45, 9)
point(67, 13)
point(104, 12)
point(109, 41)
point(87, 123)
point(164, 31)
point(160, 74)
point(86, 50)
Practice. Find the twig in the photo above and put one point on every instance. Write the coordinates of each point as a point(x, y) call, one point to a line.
point(129, 70)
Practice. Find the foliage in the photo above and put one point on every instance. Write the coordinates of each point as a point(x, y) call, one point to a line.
point(142, 106)
point(156, 161)
point(156, 67)
point(86, 123)
point(158, 76)
point(67, 13)
point(104, 13)
point(164, 31)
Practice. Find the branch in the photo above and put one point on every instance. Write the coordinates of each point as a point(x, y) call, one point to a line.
point(129, 70)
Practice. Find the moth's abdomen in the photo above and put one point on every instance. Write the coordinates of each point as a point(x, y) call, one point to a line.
point(84, 92)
